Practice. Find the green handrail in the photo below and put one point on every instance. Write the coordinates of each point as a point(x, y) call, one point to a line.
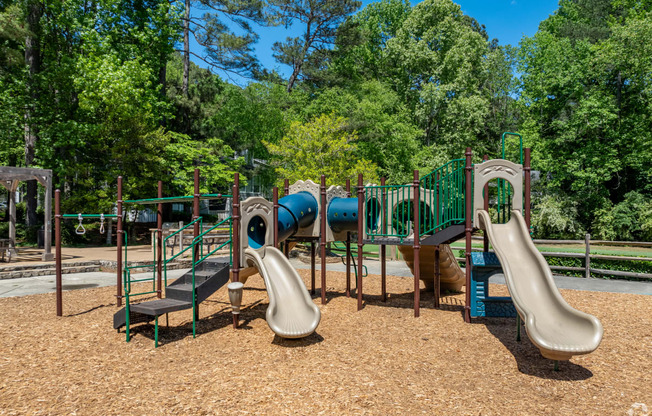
point(201, 237)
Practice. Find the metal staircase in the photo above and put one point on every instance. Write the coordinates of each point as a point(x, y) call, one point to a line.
point(205, 277)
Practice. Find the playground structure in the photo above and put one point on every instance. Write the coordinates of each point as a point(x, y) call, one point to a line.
point(422, 218)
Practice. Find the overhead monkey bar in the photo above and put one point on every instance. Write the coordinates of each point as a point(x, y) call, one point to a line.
point(176, 199)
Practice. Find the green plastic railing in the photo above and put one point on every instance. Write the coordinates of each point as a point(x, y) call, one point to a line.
point(165, 259)
point(376, 215)
point(445, 186)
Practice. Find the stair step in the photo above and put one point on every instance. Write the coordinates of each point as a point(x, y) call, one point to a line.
point(160, 306)
point(134, 318)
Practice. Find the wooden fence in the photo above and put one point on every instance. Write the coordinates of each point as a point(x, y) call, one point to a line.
point(587, 256)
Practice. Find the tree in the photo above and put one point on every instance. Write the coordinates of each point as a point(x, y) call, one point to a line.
point(224, 48)
point(586, 103)
point(436, 62)
point(362, 40)
point(320, 19)
point(386, 135)
point(322, 146)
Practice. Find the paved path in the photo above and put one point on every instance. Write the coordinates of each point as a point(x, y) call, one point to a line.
point(45, 284)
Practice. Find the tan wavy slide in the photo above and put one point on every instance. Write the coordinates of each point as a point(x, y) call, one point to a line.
point(557, 329)
point(291, 312)
point(452, 277)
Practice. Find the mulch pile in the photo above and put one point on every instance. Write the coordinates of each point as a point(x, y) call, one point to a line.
point(380, 360)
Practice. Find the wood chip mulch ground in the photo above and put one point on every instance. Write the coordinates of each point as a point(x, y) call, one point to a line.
point(380, 360)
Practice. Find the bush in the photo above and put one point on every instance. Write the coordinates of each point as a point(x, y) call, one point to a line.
point(630, 219)
point(556, 217)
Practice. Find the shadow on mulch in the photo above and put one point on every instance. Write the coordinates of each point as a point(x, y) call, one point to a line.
point(206, 324)
point(311, 339)
point(399, 300)
point(90, 310)
point(528, 357)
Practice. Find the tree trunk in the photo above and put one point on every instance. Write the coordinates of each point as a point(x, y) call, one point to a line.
point(33, 62)
point(186, 50)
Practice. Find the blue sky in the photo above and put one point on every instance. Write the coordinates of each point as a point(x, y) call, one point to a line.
point(507, 20)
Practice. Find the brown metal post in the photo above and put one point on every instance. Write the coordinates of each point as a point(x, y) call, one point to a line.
point(235, 271)
point(195, 210)
point(322, 237)
point(416, 244)
point(313, 253)
point(57, 247)
point(195, 215)
point(348, 247)
point(468, 231)
point(437, 277)
point(383, 248)
point(286, 192)
point(159, 243)
point(526, 171)
point(360, 238)
point(275, 217)
point(485, 238)
point(120, 237)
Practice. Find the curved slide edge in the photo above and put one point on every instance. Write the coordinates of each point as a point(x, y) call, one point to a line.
point(556, 328)
point(291, 312)
point(451, 277)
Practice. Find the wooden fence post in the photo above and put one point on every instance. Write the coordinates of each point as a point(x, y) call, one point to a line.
point(587, 258)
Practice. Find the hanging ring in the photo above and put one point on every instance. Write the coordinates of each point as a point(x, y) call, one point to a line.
point(80, 230)
point(101, 223)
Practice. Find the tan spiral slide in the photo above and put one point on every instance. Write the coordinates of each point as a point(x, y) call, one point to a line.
point(557, 329)
point(452, 277)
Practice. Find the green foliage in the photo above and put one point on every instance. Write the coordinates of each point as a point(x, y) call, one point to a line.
point(320, 147)
point(586, 106)
point(630, 219)
point(556, 217)
point(386, 135)
point(215, 160)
